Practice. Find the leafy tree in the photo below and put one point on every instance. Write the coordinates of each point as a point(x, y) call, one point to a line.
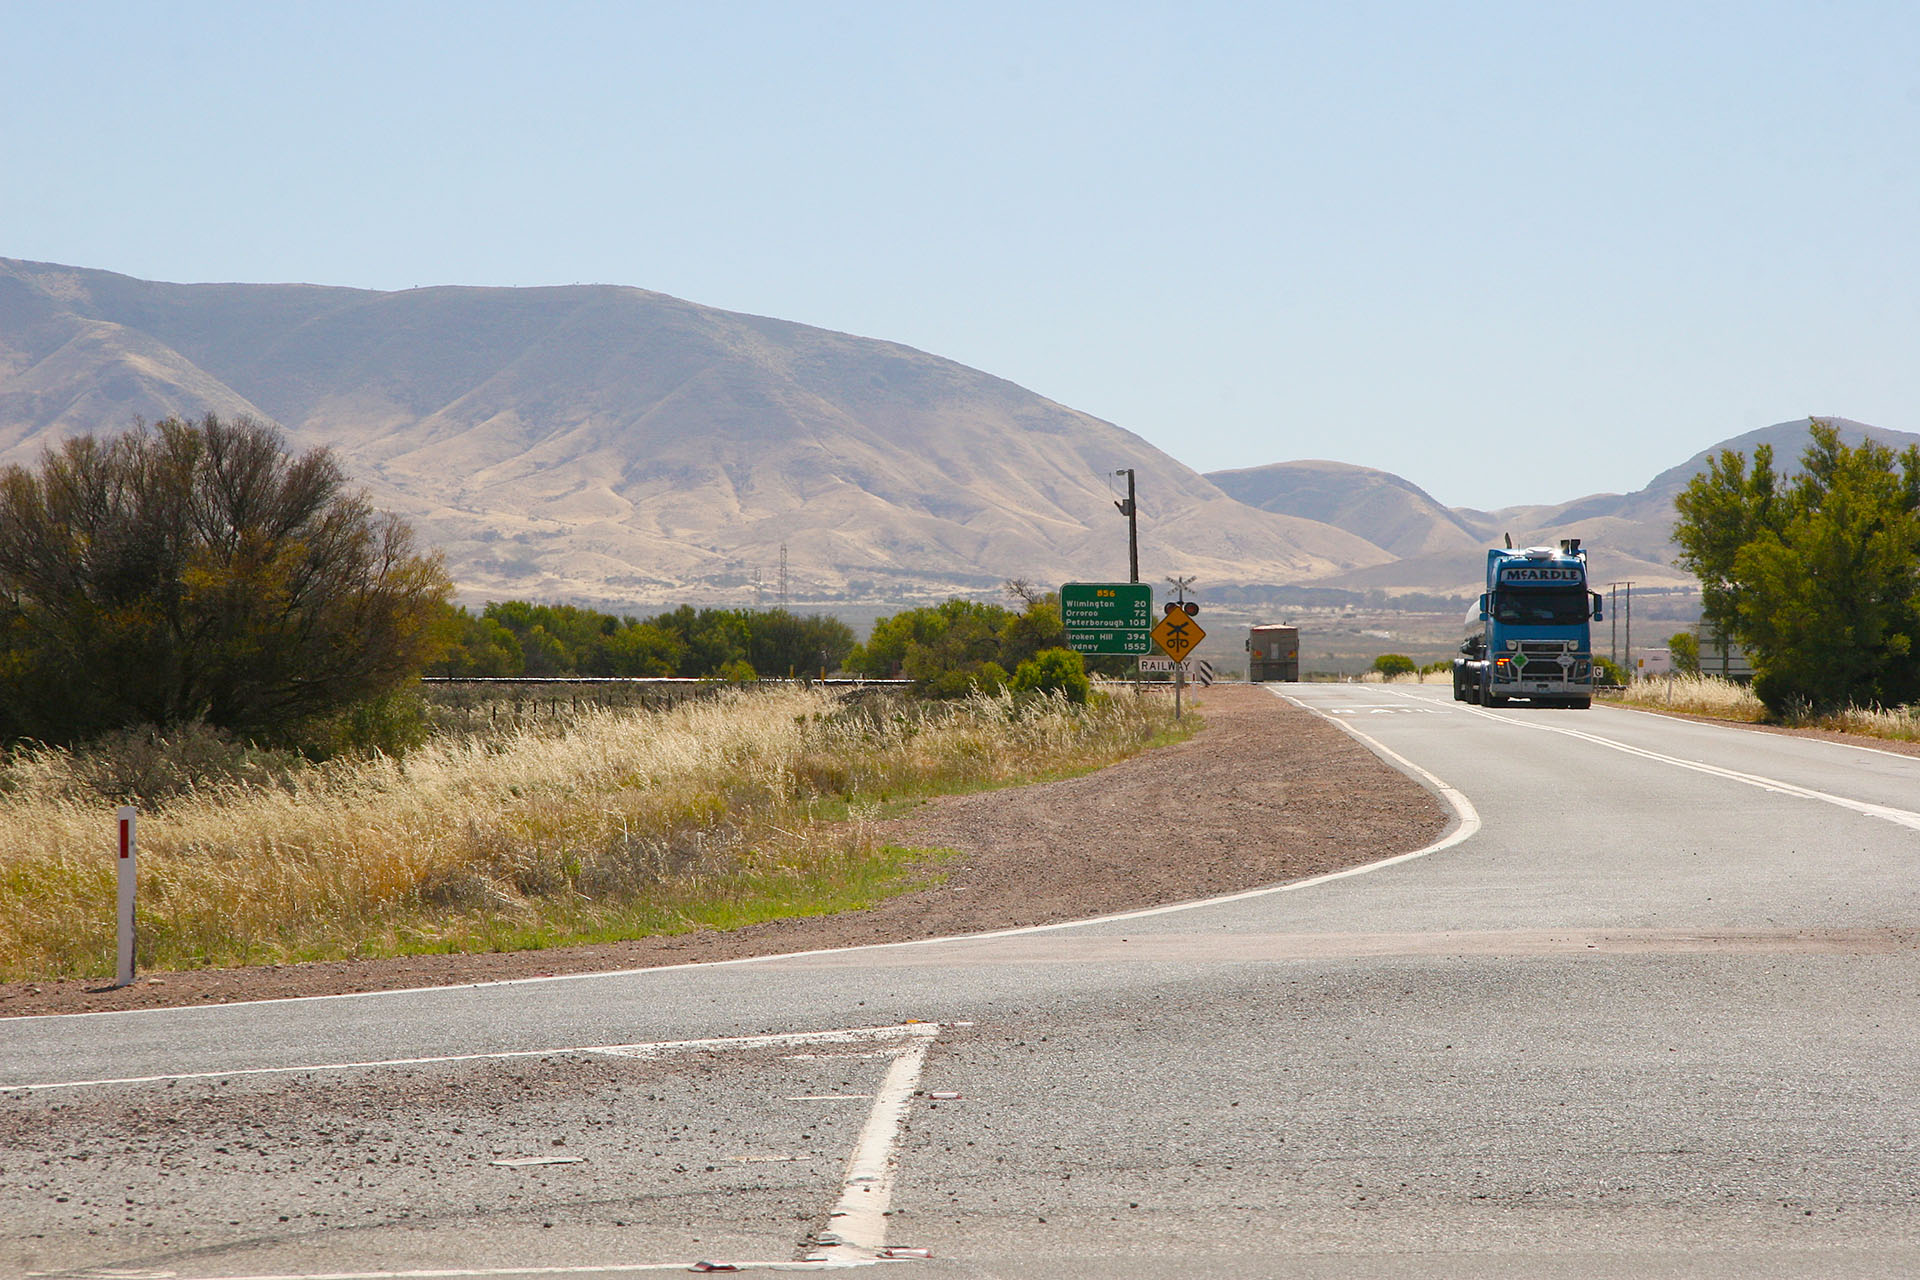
point(782, 644)
point(479, 647)
point(197, 571)
point(1037, 628)
point(886, 650)
point(963, 657)
point(712, 638)
point(1831, 602)
point(1824, 582)
point(515, 637)
point(1395, 664)
point(1721, 511)
point(1685, 648)
point(642, 649)
point(952, 648)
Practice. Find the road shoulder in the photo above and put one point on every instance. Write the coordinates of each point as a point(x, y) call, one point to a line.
point(1265, 794)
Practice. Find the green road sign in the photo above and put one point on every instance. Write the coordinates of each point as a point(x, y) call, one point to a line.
point(1108, 617)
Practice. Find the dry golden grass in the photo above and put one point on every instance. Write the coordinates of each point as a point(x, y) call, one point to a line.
point(1696, 695)
point(1728, 700)
point(1900, 724)
point(751, 805)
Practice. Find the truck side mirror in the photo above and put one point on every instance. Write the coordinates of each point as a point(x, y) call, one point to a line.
point(1596, 606)
point(1483, 606)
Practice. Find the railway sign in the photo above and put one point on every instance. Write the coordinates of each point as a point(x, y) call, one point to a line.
point(1108, 617)
point(1163, 666)
point(1177, 633)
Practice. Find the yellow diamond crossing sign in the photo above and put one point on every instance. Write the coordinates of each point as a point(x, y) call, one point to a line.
point(1177, 633)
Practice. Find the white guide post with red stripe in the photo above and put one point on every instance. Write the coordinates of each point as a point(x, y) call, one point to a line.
point(123, 975)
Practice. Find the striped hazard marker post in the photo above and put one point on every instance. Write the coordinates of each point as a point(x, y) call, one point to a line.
point(123, 973)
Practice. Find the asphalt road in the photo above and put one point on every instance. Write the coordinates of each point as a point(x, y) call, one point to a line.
point(1651, 1009)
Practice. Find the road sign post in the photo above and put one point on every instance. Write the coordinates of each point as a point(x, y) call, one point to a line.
point(1177, 633)
point(1108, 617)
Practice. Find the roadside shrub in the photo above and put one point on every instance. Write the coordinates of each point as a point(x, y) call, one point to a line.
point(1054, 670)
point(1395, 664)
point(147, 766)
point(391, 724)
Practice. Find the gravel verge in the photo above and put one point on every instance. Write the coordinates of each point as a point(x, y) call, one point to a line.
point(1266, 793)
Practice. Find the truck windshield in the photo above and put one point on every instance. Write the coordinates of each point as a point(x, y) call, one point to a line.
point(1540, 606)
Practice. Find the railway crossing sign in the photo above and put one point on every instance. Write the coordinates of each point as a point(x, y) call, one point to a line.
point(1177, 633)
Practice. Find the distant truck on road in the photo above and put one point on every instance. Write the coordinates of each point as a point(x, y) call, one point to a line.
point(1273, 653)
point(1528, 635)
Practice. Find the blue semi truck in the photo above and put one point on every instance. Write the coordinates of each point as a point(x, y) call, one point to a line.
point(1528, 635)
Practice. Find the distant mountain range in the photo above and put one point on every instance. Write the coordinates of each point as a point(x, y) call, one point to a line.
point(1439, 549)
point(614, 445)
point(617, 447)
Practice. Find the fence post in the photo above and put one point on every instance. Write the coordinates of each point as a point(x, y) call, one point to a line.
point(127, 861)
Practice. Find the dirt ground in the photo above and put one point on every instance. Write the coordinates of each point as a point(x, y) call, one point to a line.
point(1264, 794)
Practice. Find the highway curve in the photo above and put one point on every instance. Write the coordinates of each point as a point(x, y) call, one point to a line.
point(1648, 1009)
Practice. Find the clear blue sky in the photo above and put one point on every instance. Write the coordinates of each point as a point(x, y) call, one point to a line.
point(1444, 240)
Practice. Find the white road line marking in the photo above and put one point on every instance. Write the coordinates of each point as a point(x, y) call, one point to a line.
point(857, 1236)
point(922, 1030)
point(1886, 813)
point(1464, 813)
point(1738, 727)
point(858, 1224)
point(829, 1097)
point(479, 1273)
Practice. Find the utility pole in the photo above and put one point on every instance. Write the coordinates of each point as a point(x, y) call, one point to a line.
point(1628, 626)
point(1613, 620)
point(1130, 509)
point(1614, 596)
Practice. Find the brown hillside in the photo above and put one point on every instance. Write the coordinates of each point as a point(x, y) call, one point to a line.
point(615, 445)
